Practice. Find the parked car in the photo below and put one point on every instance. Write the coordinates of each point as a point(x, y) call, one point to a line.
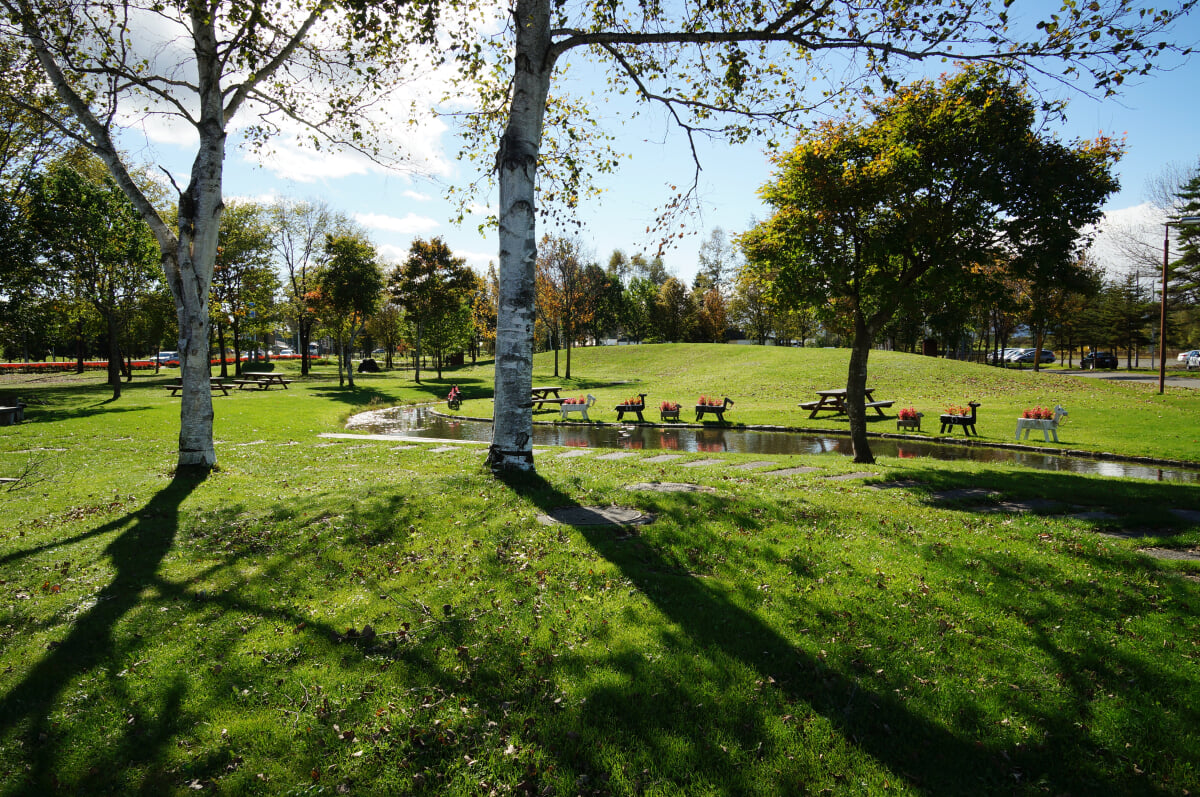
point(1027, 356)
point(166, 358)
point(1193, 361)
point(1098, 359)
point(1185, 355)
point(1001, 356)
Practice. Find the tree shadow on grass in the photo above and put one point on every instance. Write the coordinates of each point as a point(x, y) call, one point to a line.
point(145, 536)
point(924, 753)
point(873, 715)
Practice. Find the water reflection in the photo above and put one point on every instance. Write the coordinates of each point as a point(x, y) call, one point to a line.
point(419, 422)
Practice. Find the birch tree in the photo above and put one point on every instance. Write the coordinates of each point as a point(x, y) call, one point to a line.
point(735, 70)
point(313, 64)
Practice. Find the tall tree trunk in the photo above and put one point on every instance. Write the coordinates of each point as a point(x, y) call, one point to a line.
point(516, 164)
point(417, 361)
point(567, 342)
point(856, 383)
point(305, 339)
point(221, 350)
point(114, 356)
point(237, 347)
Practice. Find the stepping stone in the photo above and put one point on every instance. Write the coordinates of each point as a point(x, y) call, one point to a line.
point(789, 471)
point(965, 493)
point(1172, 553)
point(578, 452)
point(1190, 515)
point(701, 463)
point(845, 477)
point(663, 458)
point(753, 465)
point(595, 516)
point(443, 449)
point(618, 455)
point(1094, 515)
point(670, 487)
point(1030, 505)
point(403, 448)
point(905, 484)
point(1130, 534)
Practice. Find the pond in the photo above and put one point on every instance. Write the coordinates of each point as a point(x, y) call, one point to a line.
point(421, 422)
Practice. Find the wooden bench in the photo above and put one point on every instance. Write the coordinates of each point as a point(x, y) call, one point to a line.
point(809, 405)
point(261, 384)
point(213, 384)
point(879, 405)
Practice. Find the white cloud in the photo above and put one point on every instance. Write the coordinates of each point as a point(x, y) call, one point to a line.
point(418, 196)
point(478, 260)
point(1129, 240)
point(411, 224)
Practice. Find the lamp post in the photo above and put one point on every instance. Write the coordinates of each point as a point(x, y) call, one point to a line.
point(1185, 221)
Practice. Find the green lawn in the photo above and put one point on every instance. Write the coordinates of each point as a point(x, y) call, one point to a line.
point(341, 616)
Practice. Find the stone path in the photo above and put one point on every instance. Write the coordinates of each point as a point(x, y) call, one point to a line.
point(974, 499)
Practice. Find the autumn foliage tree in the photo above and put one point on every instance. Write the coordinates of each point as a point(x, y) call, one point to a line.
point(431, 285)
point(943, 176)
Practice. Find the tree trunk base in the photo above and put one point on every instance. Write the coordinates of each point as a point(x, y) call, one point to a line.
point(509, 461)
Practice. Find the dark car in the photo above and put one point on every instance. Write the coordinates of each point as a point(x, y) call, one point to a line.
point(1098, 359)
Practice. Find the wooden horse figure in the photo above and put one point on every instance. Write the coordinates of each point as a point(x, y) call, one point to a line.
point(566, 409)
point(635, 408)
point(1049, 426)
point(967, 422)
point(718, 410)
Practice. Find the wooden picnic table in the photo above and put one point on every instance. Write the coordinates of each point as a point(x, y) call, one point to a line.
point(214, 383)
point(270, 377)
point(541, 395)
point(835, 401)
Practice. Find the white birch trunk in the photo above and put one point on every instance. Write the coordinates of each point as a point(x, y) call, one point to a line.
point(516, 164)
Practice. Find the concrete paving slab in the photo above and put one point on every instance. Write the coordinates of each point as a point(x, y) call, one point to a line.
point(845, 477)
point(790, 471)
point(663, 458)
point(1173, 554)
point(701, 463)
point(964, 494)
point(595, 516)
point(752, 465)
point(618, 455)
point(670, 487)
point(578, 452)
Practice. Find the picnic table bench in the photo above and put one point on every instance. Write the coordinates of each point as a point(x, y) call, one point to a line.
point(835, 402)
point(270, 377)
point(214, 383)
point(539, 396)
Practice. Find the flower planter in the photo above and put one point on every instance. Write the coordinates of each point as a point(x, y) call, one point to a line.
point(908, 424)
point(668, 415)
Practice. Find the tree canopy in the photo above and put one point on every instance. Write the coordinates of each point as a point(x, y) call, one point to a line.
point(946, 177)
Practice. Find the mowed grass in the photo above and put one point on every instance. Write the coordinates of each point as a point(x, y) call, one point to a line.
point(342, 616)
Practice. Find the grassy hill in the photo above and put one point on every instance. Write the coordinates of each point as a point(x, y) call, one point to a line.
point(767, 383)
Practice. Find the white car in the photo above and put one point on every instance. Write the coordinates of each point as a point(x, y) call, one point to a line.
point(166, 358)
point(1184, 355)
point(1193, 361)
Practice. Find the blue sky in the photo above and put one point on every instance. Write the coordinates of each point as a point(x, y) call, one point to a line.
point(1158, 116)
